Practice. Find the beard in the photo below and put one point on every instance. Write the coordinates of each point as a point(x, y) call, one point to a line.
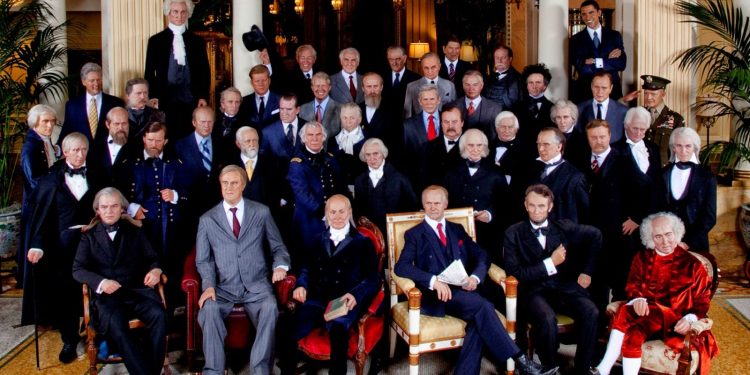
point(120, 138)
point(250, 153)
point(373, 101)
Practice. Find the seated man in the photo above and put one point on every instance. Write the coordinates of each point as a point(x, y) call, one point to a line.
point(658, 307)
point(553, 262)
point(118, 263)
point(234, 269)
point(428, 249)
point(341, 264)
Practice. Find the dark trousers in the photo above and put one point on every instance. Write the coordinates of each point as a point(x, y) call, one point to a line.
point(540, 309)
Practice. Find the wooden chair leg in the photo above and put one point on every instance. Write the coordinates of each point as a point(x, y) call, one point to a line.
point(359, 362)
point(167, 369)
point(392, 343)
point(91, 352)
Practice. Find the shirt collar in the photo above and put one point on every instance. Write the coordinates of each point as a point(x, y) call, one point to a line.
point(400, 73)
point(601, 157)
point(551, 161)
point(240, 206)
point(378, 169)
point(476, 101)
point(323, 103)
point(434, 79)
point(245, 159)
point(448, 62)
point(72, 167)
point(544, 224)
point(341, 232)
point(146, 156)
point(98, 97)
point(433, 223)
point(605, 103)
point(199, 138)
point(598, 32)
point(346, 75)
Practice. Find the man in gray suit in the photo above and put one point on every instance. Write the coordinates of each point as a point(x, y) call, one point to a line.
point(233, 269)
point(322, 108)
point(346, 85)
point(478, 111)
point(430, 69)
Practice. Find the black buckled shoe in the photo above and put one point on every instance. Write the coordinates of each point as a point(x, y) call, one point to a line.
point(68, 353)
point(527, 366)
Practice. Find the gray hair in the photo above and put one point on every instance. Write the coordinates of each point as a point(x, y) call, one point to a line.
point(312, 124)
point(321, 75)
point(647, 230)
point(563, 104)
point(306, 47)
point(242, 130)
point(637, 113)
point(90, 67)
point(374, 142)
point(347, 50)
point(74, 138)
point(188, 3)
point(227, 91)
point(428, 87)
point(108, 192)
point(431, 55)
point(32, 118)
point(473, 73)
point(397, 48)
point(691, 134)
point(504, 115)
point(482, 139)
point(352, 108)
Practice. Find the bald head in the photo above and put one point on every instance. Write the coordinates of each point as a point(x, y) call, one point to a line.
point(338, 211)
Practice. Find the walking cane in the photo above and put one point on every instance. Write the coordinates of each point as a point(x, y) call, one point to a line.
point(36, 315)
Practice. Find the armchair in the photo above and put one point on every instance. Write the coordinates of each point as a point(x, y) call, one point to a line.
point(428, 333)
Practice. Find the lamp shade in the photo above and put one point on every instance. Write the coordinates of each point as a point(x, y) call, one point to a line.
point(417, 50)
point(468, 53)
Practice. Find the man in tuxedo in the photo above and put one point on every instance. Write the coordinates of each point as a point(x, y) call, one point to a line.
point(260, 108)
point(602, 107)
point(554, 261)
point(58, 207)
point(594, 50)
point(342, 263)
point(430, 68)
point(418, 131)
point(443, 153)
point(235, 269)
point(509, 153)
point(322, 108)
point(533, 110)
point(177, 68)
point(227, 121)
point(663, 119)
point(117, 262)
point(346, 84)
point(396, 79)
point(141, 110)
point(478, 112)
point(565, 116)
point(429, 248)
point(505, 85)
point(453, 69)
point(86, 113)
point(106, 161)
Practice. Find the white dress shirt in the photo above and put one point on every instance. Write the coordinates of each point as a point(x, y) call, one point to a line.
point(599, 62)
point(376, 174)
point(640, 153)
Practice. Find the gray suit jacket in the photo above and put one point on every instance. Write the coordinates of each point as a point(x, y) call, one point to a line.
point(483, 117)
point(340, 89)
point(331, 119)
point(218, 252)
point(446, 90)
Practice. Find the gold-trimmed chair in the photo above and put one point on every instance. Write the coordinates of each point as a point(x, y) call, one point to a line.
point(425, 333)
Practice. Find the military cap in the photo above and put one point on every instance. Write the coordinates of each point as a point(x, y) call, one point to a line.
point(651, 82)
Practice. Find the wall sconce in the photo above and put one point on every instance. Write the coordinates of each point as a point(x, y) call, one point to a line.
point(299, 7)
point(417, 50)
point(468, 52)
point(398, 4)
point(337, 5)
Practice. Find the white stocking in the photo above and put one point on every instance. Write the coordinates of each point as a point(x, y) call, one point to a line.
point(630, 366)
point(614, 346)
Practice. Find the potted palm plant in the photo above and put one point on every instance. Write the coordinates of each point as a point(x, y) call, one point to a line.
point(29, 47)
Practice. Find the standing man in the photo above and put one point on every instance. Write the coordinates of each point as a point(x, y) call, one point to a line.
point(505, 85)
point(58, 208)
point(322, 108)
point(512, 160)
point(602, 107)
point(141, 110)
point(235, 269)
point(376, 112)
point(429, 248)
point(443, 153)
point(263, 184)
point(106, 160)
point(177, 68)
point(227, 120)
point(281, 138)
point(594, 50)
point(396, 79)
point(299, 81)
point(260, 108)
point(553, 261)
point(452, 68)
point(478, 112)
point(430, 68)
point(419, 129)
point(86, 113)
point(533, 110)
point(663, 119)
point(121, 268)
point(346, 84)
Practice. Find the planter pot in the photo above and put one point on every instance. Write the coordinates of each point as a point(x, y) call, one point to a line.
point(10, 226)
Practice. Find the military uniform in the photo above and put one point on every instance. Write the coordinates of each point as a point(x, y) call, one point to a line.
point(663, 119)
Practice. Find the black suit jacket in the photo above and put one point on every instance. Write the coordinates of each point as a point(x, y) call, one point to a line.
point(265, 186)
point(248, 114)
point(159, 52)
point(294, 81)
point(395, 95)
point(531, 124)
point(105, 170)
point(570, 188)
point(440, 160)
point(606, 194)
point(382, 126)
point(203, 184)
point(697, 208)
point(77, 118)
point(461, 67)
point(582, 48)
point(414, 159)
point(641, 188)
point(392, 194)
point(483, 117)
point(506, 91)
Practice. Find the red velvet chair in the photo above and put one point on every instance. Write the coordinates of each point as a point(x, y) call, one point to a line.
point(366, 334)
point(239, 327)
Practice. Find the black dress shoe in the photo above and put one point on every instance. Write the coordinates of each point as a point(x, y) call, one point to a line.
point(527, 366)
point(68, 353)
point(593, 371)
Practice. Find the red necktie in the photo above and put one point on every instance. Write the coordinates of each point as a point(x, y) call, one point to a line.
point(235, 223)
point(470, 110)
point(431, 132)
point(451, 72)
point(441, 234)
point(595, 164)
point(318, 115)
point(352, 89)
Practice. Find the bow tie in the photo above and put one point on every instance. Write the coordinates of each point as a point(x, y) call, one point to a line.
point(74, 171)
point(550, 165)
point(540, 231)
point(537, 100)
point(111, 228)
point(684, 164)
point(506, 144)
point(472, 164)
point(498, 75)
point(452, 142)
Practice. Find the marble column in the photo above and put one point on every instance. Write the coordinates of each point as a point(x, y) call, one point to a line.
point(245, 14)
point(553, 42)
point(58, 10)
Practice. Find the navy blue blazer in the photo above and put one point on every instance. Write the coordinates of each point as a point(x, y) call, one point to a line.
point(77, 118)
point(615, 117)
point(506, 91)
point(33, 162)
point(273, 140)
point(203, 184)
point(423, 257)
point(582, 48)
point(248, 114)
point(415, 150)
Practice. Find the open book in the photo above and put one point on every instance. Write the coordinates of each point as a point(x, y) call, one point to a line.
point(454, 274)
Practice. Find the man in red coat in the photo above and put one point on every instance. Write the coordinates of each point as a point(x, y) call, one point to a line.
point(668, 290)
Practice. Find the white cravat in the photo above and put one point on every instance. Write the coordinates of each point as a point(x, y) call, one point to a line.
point(347, 139)
point(178, 43)
point(338, 235)
point(640, 153)
point(376, 174)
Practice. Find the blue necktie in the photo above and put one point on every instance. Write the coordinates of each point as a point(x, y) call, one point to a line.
point(599, 111)
point(206, 153)
point(596, 40)
point(397, 80)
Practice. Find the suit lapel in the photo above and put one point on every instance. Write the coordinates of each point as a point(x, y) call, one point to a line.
point(102, 238)
point(343, 244)
point(531, 241)
point(219, 216)
point(433, 243)
point(244, 226)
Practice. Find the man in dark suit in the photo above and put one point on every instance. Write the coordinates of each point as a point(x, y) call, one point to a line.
point(377, 115)
point(120, 267)
point(442, 152)
point(106, 161)
point(478, 111)
point(533, 110)
point(227, 121)
point(141, 110)
point(237, 248)
point(177, 68)
point(341, 264)
point(346, 84)
point(396, 79)
point(430, 68)
point(86, 113)
point(262, 170)
point(688, 189)
point(281, 139)
point(58, 208)
point(663, 119)
point(509, 152)
point(418, 131)
point(382, 189)
point(429, 248)
point(260, 108)
point(322, 108)
point(298, 81)
point(553, 261)
point(505, 85)
point(593, 50)
point(565, 116)
point(602, 107)
point(453, 69)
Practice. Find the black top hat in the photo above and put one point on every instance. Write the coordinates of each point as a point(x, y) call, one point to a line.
point(654, 82)
point(254, 39)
